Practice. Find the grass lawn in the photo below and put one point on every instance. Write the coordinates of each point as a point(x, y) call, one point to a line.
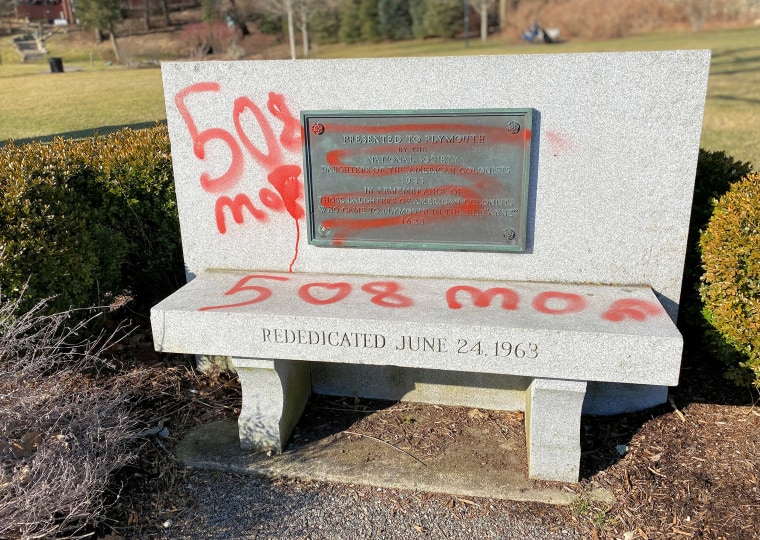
point(36, 103)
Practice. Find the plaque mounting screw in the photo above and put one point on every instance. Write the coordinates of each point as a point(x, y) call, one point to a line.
point(510, 234)
point(513, 128)
point(318, 129)
point(324, 230)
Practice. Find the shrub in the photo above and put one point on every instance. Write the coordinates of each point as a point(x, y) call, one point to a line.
point(368, 17)
point(443, 18)
point(80, 219)
point(394, 19)
point(208, 37)
point(63, 431)
point(350, 30)
point(46, 236)
point(716, 171)
point(139, 210)
point(417, 11)
point(731, 289)
point(324, 23)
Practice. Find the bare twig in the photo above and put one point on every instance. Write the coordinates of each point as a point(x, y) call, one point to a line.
point(386, 443)
point(72, 427)
point(679, 413)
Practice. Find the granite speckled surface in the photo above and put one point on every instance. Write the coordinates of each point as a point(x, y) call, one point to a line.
point(615, 147)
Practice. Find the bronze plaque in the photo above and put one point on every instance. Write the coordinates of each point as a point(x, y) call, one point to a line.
point(430, 179)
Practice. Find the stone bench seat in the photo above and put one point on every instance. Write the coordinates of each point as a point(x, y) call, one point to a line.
point(561, 335)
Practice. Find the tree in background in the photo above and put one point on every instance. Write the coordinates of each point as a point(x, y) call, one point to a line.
point(304, 9)
point(368, 17)
point(483, 6)
point(697, 11)
point(146, 15)
point(282, 8)
point(208, 37)
point(325, 21)
point(350, 30)
point(101, 15)
point(443, 18)
point(209, 11)
point(238, 13)
point(394, 19)
point(417, 11)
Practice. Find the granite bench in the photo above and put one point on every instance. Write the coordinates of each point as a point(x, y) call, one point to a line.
point(582, 318)
point(563, 336)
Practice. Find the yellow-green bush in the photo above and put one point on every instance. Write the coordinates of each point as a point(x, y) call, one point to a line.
point(716, 171)
point(80, 219)
point(731, 281)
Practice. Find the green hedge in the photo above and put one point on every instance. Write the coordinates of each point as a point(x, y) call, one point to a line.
point(81, 221)
point(731, 290)
point(716, 172)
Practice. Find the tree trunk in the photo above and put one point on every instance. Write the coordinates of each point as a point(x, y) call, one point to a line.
point(239, 20)
point(483, 21)
point(165, 11)
point(502, 15)
point(98, 35)
point(146, 18)
point(291, 30)
point(305, 30)
point(114, 45)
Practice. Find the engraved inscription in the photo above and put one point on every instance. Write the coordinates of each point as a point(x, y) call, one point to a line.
point(400, 344)
point(420, 180)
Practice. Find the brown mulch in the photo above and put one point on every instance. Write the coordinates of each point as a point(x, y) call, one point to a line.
point(687, 469)
point(690, 468)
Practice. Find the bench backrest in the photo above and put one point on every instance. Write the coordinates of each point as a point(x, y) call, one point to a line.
point(615, 145)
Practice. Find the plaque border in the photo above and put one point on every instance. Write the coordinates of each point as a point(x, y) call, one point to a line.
point(312, 238)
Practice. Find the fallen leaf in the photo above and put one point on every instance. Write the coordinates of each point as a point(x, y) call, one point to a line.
point(476, 413)
point(31, 440)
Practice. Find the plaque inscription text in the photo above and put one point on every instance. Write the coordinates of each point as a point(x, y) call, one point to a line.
point(447, 180)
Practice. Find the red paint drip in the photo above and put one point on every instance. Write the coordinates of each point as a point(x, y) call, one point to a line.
point(295, 251)
point(285, 180)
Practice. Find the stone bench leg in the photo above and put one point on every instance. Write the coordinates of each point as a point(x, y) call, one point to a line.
point(553, 429)
point(274, 396)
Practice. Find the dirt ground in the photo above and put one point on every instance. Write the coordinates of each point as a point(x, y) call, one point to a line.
point(687, 469)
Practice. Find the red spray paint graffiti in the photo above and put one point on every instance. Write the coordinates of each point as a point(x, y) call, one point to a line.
point(283, 177)
point(262, 293)
point(509, 298)
point(558, 303)
point(471, 193)
point(629, 308)
point(341, 291)
point(388, 294)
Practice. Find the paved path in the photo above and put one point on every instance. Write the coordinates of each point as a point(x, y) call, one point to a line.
point(228, 506)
